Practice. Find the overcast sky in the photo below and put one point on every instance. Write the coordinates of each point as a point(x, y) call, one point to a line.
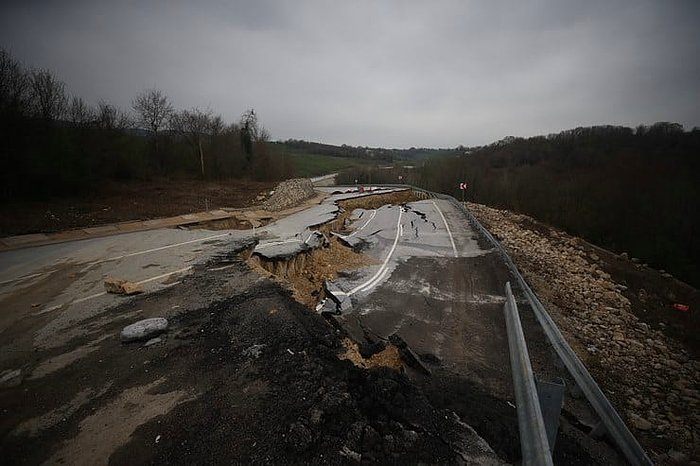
point(379, 73)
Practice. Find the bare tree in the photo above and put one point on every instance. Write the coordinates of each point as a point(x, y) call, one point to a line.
point(110, 117)
point(48, 95)
point(80, 113)
point(14, 85)
point(196, 125)
point(153, 110)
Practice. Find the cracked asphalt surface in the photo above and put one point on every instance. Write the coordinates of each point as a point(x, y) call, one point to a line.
point(245, 374)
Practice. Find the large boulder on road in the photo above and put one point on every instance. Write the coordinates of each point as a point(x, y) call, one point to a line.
point(144, 329)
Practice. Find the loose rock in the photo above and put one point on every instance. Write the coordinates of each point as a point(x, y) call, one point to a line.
point(144, 329)
point(120, 286)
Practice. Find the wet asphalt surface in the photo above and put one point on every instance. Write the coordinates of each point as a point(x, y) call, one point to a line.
point(245, 374)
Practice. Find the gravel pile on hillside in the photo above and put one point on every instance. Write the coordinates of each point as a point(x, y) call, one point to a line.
point(289, 193)
point(651, 378)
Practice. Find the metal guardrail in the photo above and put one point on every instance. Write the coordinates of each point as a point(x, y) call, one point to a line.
point(611, 420)
point(534, 444)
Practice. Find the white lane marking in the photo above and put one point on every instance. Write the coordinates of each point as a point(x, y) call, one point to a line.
point(376, 281)
point(152, 279)
point(25, 277)
point(373, 281)
point(277, 243)
point(216, 269)
point(454, 248)
point(103, 293)
point(161, 248)
point(310, 235)
point(374, 213)
point(116, 258)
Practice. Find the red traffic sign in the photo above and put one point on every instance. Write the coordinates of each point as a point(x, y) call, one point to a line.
point(463, 186)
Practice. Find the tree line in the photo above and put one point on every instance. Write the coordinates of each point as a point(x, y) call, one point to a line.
point(627, 190)
point(52, 143)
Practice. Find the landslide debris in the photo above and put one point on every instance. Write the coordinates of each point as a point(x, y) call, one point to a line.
point(306, 273)
point(289, 193)
point(651, 375)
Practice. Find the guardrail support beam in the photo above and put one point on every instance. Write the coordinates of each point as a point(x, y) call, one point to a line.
point(534, 445)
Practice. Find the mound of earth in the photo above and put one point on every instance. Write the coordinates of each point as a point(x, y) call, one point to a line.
point(289, 193)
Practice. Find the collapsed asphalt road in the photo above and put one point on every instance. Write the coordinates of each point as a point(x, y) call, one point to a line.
point(247, 374)
point(253, 377)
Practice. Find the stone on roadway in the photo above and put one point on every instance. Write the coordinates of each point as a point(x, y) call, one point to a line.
point(120, 286)
point(144, 329)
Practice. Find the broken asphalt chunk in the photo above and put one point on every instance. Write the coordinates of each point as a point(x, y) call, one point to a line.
point(120, 286)
point(407, 354)
point(339, 297)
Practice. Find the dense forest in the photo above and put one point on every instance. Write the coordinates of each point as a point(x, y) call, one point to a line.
point(627, 190)
point(55, 144)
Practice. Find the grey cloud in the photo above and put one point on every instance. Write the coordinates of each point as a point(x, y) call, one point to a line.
point(394, 73)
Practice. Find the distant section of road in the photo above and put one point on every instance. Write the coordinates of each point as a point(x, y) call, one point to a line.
point(324, 180)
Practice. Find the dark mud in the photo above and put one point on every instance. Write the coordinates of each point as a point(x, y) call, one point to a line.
point(263, 385)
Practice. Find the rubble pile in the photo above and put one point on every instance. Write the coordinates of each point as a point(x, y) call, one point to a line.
point(289, 193)
point(649, 376)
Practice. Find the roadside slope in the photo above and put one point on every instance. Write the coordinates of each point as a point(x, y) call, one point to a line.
point(618, 315)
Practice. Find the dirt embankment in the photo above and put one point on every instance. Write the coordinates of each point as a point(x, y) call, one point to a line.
point(121, 202)
point(619, 317)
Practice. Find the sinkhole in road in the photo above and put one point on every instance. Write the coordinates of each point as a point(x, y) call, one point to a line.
point(306, 272)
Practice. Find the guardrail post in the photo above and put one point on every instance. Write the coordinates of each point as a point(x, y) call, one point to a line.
point(551, 395)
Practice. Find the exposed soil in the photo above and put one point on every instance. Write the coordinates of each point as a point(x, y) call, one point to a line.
point(305, 273)
point(120, 202)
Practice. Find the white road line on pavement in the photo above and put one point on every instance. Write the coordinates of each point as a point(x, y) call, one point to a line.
point(371, 217)
point(454, 248)
point(374, 280)
point(103, 293)
point(152, 279)
point(277, 243)
point(161, 248)
point(216, 269)
point(25, 277)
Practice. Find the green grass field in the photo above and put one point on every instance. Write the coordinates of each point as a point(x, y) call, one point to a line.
point(309, 164)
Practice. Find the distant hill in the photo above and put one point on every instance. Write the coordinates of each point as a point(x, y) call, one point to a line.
point(370, 153)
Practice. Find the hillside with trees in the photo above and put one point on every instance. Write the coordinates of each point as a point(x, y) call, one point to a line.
point(54, 144)
point(627, 190)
